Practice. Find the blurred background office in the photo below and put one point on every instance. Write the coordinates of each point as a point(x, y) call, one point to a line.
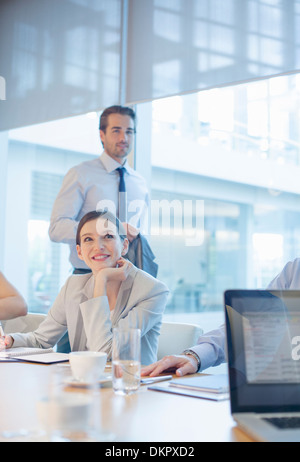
point(216, 88)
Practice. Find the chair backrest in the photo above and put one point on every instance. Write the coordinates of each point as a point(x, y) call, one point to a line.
point(23, 324)
point(176, 337)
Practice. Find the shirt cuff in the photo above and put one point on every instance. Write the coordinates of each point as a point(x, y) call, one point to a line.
point(207, 355)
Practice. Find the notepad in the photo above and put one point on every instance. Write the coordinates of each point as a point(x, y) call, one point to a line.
point(206, 383)
point(167, 388)
point(33, 355)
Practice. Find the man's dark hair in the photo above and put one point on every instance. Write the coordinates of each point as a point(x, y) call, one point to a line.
point(123, 110)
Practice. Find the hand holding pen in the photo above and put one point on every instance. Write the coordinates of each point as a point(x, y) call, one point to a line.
point(5, 340)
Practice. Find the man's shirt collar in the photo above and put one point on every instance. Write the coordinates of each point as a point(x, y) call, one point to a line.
point(111, 164)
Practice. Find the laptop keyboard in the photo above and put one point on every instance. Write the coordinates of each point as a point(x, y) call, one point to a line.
point(284, 422)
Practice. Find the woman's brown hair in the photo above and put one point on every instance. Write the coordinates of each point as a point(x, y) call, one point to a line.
point(94, 215)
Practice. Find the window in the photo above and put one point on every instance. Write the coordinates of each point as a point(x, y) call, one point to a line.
point(236, 149)
point(38, 158)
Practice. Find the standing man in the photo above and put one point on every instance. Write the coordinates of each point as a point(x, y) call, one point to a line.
point(106, 182)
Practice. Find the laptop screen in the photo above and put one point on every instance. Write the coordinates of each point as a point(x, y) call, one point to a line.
point(263, 340)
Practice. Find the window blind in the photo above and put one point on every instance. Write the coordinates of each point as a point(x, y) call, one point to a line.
point(60, 58)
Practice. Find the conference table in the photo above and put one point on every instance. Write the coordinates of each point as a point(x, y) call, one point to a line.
point(145, 416)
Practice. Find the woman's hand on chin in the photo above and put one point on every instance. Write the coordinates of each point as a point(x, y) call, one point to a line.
point(118, 273)
point(105, 275)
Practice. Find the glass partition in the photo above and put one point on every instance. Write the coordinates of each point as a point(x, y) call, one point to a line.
point(224, 183)
point(235, 150)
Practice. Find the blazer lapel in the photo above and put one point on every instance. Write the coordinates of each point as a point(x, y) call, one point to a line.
point(80, 336)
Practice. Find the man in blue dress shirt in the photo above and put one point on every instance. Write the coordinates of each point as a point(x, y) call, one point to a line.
point(94, 184)
point(210, 348)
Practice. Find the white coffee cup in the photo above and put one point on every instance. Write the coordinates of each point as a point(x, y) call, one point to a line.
point(86, 365)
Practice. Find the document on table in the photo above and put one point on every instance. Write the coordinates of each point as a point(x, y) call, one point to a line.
point(33, 355)
point(208, 383)
point(212, 387)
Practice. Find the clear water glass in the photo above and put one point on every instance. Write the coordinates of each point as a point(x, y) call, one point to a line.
point(126, 360)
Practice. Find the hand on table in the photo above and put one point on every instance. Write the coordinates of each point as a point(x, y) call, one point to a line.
point(6, 342)
point(180, 364)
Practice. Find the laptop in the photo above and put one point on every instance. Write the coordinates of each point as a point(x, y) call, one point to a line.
point(263, 342)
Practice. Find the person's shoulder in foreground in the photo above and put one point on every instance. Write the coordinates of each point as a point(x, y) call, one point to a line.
point(12, 304)
point(288, 278)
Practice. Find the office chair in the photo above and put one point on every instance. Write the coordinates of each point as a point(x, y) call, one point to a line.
point(176, 337)
point(23, 324)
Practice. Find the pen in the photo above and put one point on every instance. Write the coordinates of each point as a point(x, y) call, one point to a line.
point(161, 378)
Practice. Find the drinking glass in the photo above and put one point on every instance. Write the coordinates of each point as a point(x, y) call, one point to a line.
point(126, 360)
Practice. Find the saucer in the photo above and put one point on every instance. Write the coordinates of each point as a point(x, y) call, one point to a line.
point(104, 379)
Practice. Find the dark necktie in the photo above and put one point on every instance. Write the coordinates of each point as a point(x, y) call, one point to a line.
point(122, 196)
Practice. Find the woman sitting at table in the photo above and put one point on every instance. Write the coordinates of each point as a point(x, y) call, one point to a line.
point(115, 294)
point(12, 304)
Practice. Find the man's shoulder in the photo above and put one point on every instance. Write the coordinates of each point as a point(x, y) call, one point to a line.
point(292, 266)
point(85, 170)
point(88, 164)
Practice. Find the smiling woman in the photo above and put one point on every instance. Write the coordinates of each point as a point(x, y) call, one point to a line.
point(114, 294)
